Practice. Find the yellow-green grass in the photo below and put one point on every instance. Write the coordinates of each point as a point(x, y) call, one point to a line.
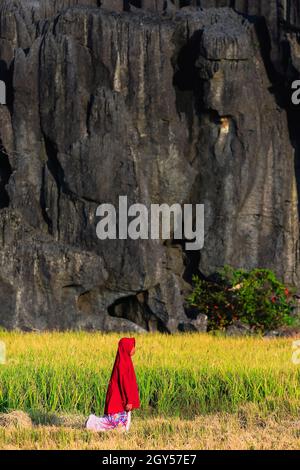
point(242, 430)
point(180, 375)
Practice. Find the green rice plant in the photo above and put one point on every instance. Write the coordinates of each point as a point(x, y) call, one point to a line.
point(180, 375)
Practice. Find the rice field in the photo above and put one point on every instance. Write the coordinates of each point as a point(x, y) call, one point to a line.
point(195, 385)
point(181, 375)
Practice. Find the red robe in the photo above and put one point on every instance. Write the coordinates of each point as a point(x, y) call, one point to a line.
point(122, 388)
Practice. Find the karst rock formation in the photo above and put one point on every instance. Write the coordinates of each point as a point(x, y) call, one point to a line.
point(165, 102)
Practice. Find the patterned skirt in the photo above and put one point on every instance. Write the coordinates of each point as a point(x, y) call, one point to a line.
point(107, 422)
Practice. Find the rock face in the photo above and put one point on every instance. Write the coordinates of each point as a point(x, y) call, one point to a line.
point(165, 102)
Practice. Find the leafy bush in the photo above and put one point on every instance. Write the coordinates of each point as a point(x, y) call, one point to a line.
point(254, 297)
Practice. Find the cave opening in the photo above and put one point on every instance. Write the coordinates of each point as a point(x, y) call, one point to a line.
point(135, 309)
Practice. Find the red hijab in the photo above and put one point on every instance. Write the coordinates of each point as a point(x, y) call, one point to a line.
point(122, 388)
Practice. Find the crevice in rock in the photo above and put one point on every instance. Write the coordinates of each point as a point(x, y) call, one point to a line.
point(293, 115)
point(136, 3)
point(186, 3)
point(89, 113)
point(54, 165)
point(186, 81)
point(282, 89)
point(135, 309)
point(281, 82)
point(265, 45)
point(43, 204)
point(186, 76)
point(6, 75)
point(120, 3)
point(5, 174)
point(191, 262)
point(287, 20)
point(56, 171)
point(73, 286)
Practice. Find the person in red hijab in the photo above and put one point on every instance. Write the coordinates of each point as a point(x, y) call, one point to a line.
point(122, 394)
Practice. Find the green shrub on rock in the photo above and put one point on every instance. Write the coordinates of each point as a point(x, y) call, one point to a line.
point(254, 297)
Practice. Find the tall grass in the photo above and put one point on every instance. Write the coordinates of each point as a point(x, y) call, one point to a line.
point(182, 375)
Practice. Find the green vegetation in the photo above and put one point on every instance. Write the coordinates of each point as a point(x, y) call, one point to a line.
point(181, 375)
point(256, 297)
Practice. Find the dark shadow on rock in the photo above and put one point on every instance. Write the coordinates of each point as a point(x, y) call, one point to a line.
point(186, 81)
point(5, 174)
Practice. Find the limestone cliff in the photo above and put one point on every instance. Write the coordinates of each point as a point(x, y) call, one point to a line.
point(175, 102)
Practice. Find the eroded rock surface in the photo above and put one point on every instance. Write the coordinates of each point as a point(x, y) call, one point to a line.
point(165, 102)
